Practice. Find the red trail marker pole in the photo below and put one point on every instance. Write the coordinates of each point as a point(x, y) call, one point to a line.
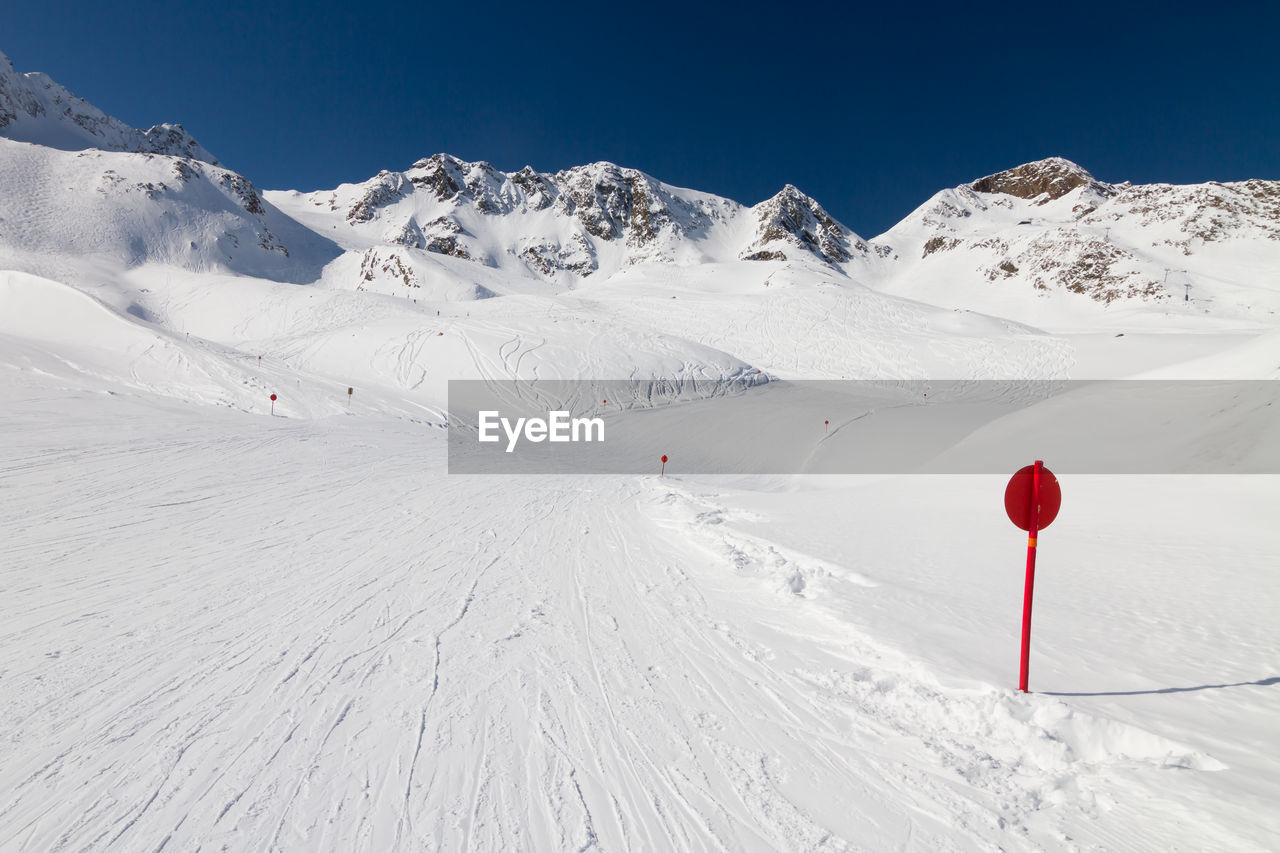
point(1032, 500)
point(1024, 664)
point(826, 427)
point(273, 404)
point(664, 466)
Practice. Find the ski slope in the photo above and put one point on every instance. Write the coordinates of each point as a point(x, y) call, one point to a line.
point(226, 629)
point(237, 625)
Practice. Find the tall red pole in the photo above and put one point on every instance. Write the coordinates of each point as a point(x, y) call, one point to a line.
point(1031, 577)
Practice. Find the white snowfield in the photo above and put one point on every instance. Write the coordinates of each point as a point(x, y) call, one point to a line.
point(228, 628)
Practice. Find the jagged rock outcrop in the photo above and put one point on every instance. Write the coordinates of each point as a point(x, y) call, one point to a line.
point(548, 257)
point(793, 219)
point(539, 190)
point(385, 188)
point(1042, 181)
point(408, 235)
point(601, 203)
point(1209, 212)
point(441, 237)
point(579, 221)
point(440, 175)
point(385, 265)
point(600, 198)
point(243, 190)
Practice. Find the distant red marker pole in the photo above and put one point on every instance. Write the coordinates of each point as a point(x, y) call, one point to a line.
point(1028, 589)
point(1031, 500)
point(664, 466)
point(273, 404)
point(826, 427)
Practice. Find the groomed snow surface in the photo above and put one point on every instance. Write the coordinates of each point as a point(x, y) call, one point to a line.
point(224, 629)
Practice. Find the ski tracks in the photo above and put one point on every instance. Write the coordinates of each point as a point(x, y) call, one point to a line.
point(353, 657)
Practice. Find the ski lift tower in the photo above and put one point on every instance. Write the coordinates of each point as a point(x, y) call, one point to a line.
point(1186, 284)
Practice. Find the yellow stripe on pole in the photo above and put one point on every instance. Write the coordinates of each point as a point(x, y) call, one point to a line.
point(1031, 541)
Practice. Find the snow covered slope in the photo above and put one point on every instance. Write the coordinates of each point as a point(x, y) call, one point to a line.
point(82, 216)
point(297, 633)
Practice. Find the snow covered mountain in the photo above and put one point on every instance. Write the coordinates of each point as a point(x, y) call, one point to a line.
point(1016, 242)
point(586, 222)
point(1038, 243)
point(33, 108)
point(1050, 228)
point(164, 233)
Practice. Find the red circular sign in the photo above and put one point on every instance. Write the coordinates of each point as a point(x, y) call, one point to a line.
point(1017, 497)
point(273, 398)
point(664, 458)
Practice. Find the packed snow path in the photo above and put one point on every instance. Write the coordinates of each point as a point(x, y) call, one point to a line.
point(271, 634)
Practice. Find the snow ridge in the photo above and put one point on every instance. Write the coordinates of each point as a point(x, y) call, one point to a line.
point(33, 108)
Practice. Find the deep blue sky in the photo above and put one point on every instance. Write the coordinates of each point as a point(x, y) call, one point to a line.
point(868, 110)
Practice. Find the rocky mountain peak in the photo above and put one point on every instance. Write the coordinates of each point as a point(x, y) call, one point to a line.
point(1050, 178)
point(440, 174)
point(793, 219)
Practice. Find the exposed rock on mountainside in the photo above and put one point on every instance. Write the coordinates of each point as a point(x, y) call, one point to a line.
point(33, 108)
point(242, 189)
point(440, 175)
point(791, 218)
point(1206, 212)
point(379, 263)
point(612, 202)
point(548, 257)
point(602, 201)
point(538, 189)
point(408, 235)
point(441, 236)
point(934, 244)
point(1051, 226)
point(1042, 181)
point(567, 222)
point(1094, 268)
point(383, 189)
